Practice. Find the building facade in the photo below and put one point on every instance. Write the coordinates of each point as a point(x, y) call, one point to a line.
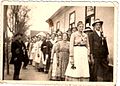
point(67, 17)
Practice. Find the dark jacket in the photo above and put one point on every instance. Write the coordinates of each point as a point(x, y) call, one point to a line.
point(46, 47)
point(98, 45)
point(18, 53)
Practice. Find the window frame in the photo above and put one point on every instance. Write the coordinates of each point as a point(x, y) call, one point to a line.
point(58, 27)
point(73, 23)
point(89, 16)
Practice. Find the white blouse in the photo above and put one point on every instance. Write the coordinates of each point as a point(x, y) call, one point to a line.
point(78, 39)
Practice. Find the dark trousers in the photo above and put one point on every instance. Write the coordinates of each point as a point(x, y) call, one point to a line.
point(26, 61)
point(100, 71)
point(44, 55)
point(48, 64)
point(17, 67)
point(92, 76)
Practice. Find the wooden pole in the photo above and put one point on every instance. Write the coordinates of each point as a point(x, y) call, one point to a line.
point(4, 34)
point(7, 57)
point(5, 46)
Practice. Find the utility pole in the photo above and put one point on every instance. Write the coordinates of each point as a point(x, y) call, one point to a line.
point(5, 46)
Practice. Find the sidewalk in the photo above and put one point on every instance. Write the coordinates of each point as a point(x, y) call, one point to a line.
point(29, 74)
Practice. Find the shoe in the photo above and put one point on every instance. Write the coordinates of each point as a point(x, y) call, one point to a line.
point(24, 68)
point(46, 72)
point(18, 79)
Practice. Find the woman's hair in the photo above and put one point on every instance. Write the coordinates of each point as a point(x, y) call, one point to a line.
point(66, 34)
point(59, 34)
point(53, 34)
point(79, 23)
point(75, 28)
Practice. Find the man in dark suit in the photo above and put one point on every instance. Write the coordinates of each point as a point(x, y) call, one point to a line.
point(98, 51)
point(17, 55)
point(26, 58)
point(46, 49)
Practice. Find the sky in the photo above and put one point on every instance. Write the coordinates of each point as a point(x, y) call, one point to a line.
point(39, 14)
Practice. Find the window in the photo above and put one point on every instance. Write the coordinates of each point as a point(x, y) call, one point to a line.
point(89, 15)
point(72, 19)
point(58, 25)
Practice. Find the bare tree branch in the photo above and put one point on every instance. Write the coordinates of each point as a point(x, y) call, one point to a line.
point(18, 19)
point(11, 30)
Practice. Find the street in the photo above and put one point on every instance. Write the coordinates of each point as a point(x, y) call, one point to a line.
point(28, 74)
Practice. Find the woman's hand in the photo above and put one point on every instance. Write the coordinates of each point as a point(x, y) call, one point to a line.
point(92, 59)
point(51, 61)
point(71, 60)
point(89, 59)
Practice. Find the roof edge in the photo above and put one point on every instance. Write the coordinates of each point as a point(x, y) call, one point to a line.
point(57, 12)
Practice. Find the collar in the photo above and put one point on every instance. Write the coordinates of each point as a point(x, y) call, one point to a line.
point(98, 32)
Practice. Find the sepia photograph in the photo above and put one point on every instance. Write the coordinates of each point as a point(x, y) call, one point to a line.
point(59, 42)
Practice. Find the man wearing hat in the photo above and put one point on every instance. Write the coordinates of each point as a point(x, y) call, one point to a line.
point(98, 51)
point(17, 54)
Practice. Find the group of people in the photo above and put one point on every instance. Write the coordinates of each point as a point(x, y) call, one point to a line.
point(68, 56)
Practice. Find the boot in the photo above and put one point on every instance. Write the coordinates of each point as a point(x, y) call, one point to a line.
point(16, 77)
point(62, 79)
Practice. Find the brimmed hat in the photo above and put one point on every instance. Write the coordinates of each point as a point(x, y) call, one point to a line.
point(97, 21)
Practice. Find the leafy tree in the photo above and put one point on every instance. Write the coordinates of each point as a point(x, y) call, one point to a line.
point(18, 18)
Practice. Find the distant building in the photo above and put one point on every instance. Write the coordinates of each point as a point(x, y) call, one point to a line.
point(34, 32)
point(67, 17)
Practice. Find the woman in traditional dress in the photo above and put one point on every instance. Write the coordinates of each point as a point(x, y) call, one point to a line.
point(62, 56)
point(78, 66)
point(33, 52)
point(53, 69)
point(37, 54)
point(41, 57)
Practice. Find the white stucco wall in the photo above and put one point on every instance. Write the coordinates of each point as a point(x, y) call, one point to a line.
point(63, 17)
point(107, 15)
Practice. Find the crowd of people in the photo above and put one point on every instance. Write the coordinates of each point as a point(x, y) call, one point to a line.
point(69, 56)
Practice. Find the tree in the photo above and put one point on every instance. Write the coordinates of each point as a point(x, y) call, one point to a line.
point(4, 37)
point(15, 19)
point(18, 18)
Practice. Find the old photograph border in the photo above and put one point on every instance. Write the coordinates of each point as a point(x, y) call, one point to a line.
point(115, 53)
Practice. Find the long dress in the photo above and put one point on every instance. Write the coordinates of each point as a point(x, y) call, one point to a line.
point(79, 51)
point(30, 49)
point(41, 65)
point(36, 59)
point(33, 53)
point(63, 58)
point(54, 64)
point(37, 55)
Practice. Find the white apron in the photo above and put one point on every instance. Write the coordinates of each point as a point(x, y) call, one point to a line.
point(80, 62)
